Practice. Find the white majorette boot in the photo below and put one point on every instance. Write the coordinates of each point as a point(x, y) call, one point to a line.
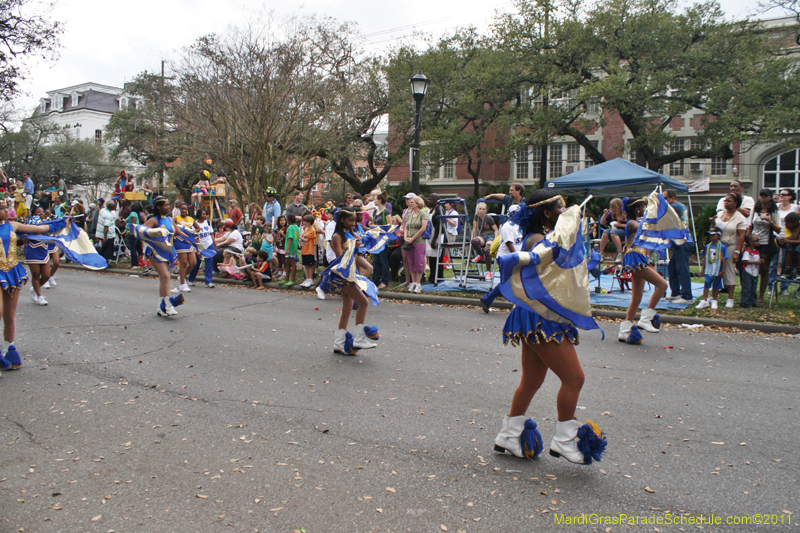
point(360, 339)
point(508, 438)
point(343, 342)
point(165, 307)
point(578, 443)
point(629, 333)
point(649, 321)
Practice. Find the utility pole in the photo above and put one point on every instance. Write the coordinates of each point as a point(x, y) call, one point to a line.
point(545, 99)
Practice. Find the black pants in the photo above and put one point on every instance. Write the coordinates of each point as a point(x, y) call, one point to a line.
point(395, 262)
point(107, 249)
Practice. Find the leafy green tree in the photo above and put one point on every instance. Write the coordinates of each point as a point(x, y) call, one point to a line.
point(649, 63)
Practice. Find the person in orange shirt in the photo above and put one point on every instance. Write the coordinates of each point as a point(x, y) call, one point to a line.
point(307, 240)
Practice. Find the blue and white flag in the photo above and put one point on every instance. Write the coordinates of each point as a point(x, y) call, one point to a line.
point(158, 241)
point(552, 279)
point(375, 239)
point(661, 227)
point(343, 270)
point(74, 242)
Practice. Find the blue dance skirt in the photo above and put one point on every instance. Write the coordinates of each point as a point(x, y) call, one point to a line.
point(14, 279)
point(182, 246)
point(633, 261)
point(524, 324)
point(36, 255)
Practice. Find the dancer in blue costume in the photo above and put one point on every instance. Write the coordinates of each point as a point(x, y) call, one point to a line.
point(37, 258)
point(12, 278)
point(158, 233)
point(546, 345)
point(345, 343)
point(635, 262)
point(185, 246)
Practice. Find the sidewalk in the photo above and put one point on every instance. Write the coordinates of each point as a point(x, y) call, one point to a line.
point(434, 299)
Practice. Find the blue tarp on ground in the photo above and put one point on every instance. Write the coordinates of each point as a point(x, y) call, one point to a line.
point(615, 298)
point(617, 177)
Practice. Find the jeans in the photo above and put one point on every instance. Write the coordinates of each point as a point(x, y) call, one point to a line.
point(132, 243)
point(380, 267)
point(749, 284)
point(208, 271)
point(680, 282)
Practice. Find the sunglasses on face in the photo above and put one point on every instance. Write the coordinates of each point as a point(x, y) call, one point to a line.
point(784, 194)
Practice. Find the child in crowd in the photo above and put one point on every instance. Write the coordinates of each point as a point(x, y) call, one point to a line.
point(751, 262)
point(257, 231)
point(713, 267)
point(292, 245)
point(791, 238)
point(308, 240)
point(251, 259)
point(280, 246)
point(228, 267)
point(262, 268)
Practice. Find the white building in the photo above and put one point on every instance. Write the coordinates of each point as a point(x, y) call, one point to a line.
point(85, 109)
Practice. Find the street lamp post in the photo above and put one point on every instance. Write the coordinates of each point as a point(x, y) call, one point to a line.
point(419, 85)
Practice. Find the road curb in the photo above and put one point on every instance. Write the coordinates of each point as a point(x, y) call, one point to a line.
point(452, 300)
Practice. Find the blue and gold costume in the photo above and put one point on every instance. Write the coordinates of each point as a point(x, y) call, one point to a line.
point(185, 245)
point(635, 258)
point(12, 275)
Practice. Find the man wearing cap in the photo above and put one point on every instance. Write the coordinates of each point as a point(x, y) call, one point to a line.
point(748, 203)
point(272, 208)
point(680, 280)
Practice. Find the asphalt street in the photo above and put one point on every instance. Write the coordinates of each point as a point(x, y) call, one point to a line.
point(237, 416)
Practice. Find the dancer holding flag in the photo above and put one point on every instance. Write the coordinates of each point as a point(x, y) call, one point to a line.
point(157, 233)
point(205, 250)
point(549, 284)
point(13, 277)
point(660, 227)
point(343, 272)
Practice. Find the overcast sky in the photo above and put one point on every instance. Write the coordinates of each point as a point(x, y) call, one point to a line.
point(109, 42)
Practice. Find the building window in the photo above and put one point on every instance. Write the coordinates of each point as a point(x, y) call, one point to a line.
point(536, 155)
point(449, 170)
point(695, 144)
point(573, 153)
point(98, 137)
point(123, 103)
point(522, 164)
point(783, 172)
point(631, 152)
point(719, 166)
point(75, 98)
point(676, 168)
point(555, 166)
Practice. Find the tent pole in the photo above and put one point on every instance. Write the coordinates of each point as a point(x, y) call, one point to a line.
point(694, 230)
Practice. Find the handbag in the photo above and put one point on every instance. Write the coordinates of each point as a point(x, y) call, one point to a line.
point(407, 246)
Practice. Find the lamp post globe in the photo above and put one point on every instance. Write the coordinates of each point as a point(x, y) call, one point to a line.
point(419, 86)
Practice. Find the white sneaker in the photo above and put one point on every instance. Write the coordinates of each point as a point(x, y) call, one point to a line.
point(670, 298)
point(46, 285)
point(729, 304)
point(184, 288)
point(174, 291)
point(190, 283)
point(307, 283)
point(41, 301)
point(714, 305)
point(703, 304)
point(33, 294)
point(52, 281)
point(682, 301)
point(417, 288)
point(320, 293)
point(210, 285)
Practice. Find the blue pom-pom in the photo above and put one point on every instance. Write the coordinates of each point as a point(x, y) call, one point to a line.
point(4, 364)
point(656, 321)
point(531, 440)
point(372, 332)
point(591, 442)
point(13, 358)
point(177, 300)
point(349, 349)
point(635, 336)
point(355, 306)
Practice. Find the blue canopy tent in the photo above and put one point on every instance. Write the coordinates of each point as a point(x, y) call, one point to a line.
point(618, 178)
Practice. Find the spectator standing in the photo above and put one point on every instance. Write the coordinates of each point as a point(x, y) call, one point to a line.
point(380, 261)
point(234, 213)
point(713, 268)
point(680, 280)
point(414, 243)
point(131, 240)
point(765, 222)
point(751, 264)
point(176, 209)
point(733, 225)
point(61, 188)
point(107, 229)
point(432, 248)
point(747, 202)
point(297, 208)
point(308, 240)
point(91, 217)
point(451, 225)
point(515, 195)
point(27, 190)
point(786, 205)
point(272, 208)
point(292, 245)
